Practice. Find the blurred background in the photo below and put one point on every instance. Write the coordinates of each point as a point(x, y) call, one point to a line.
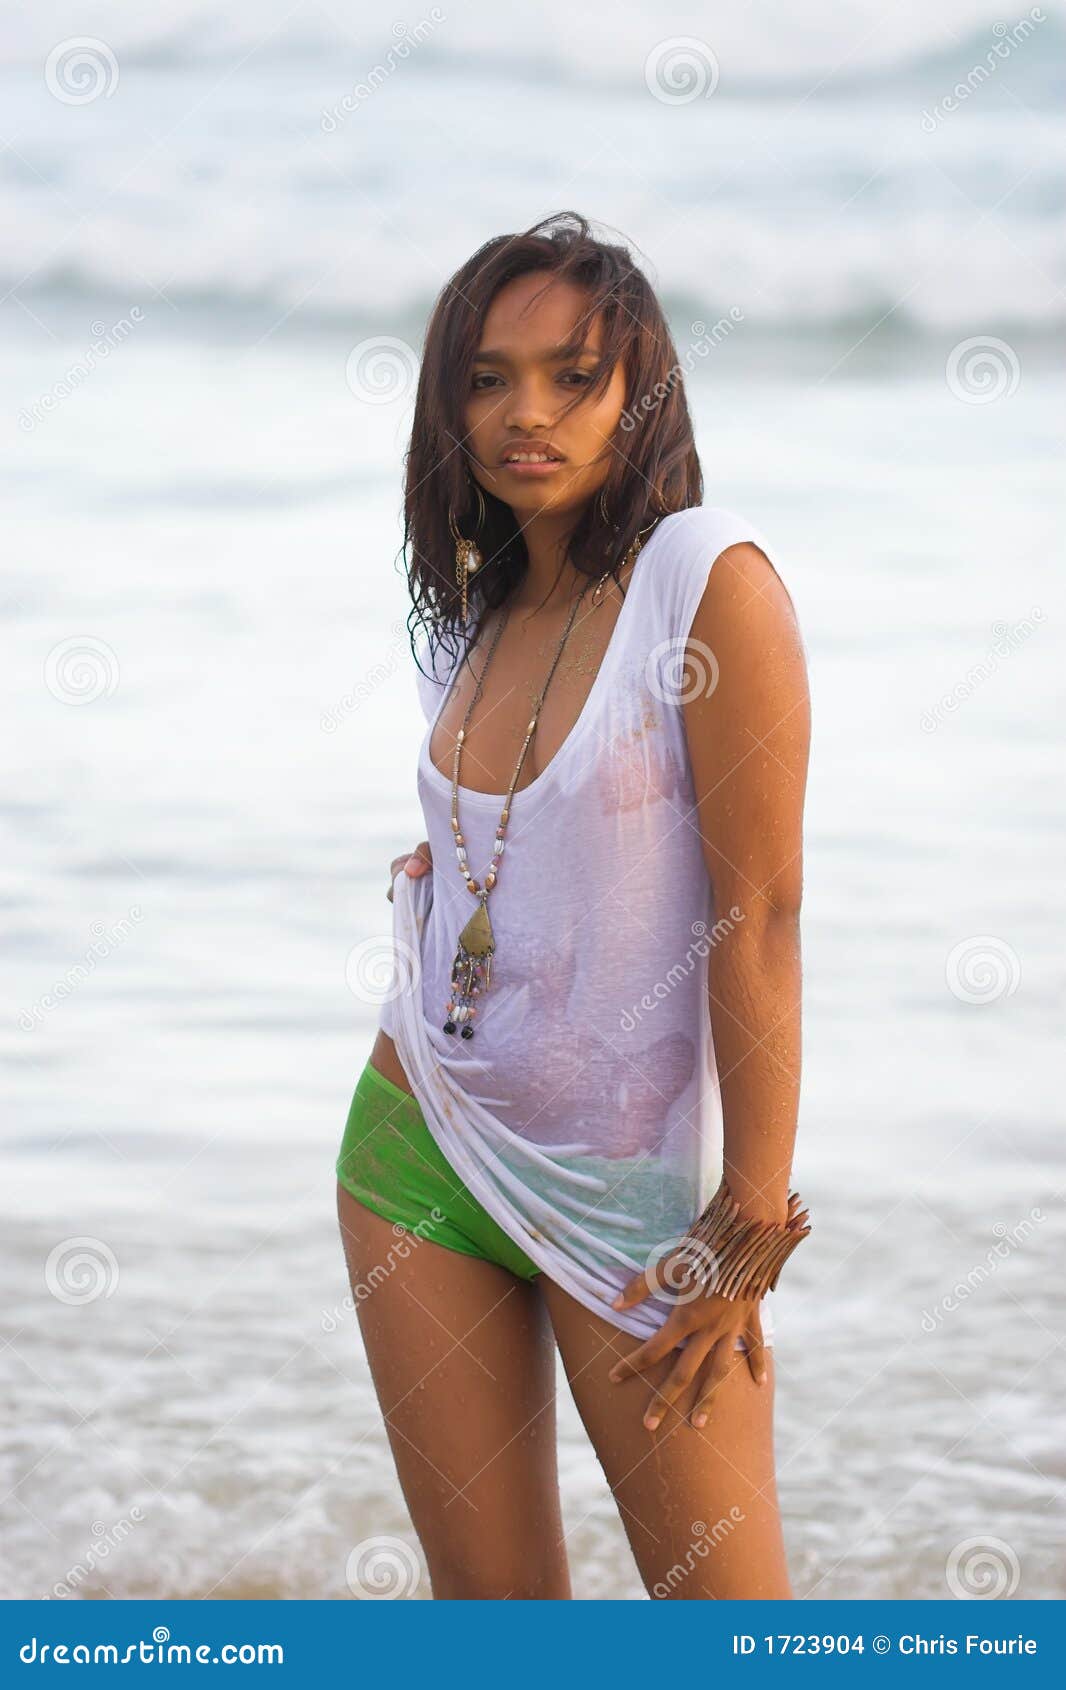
point(222, 234)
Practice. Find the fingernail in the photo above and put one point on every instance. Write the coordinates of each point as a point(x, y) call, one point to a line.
point(618, 1301)
point(651, 1424)
point(700, 1420)
point(761, 1377)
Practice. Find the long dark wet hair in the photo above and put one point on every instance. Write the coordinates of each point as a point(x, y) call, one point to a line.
point(654, 466)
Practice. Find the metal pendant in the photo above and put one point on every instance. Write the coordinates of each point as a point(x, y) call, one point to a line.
point(471, 971)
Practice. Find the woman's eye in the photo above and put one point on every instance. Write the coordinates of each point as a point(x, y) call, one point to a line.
point(485, 380)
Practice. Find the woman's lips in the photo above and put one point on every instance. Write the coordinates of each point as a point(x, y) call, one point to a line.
point(532, 466)
point(533, 472)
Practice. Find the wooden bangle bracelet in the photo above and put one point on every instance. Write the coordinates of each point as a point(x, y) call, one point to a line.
point(742, 1259)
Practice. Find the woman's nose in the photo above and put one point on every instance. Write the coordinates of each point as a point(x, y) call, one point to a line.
point(527, 412)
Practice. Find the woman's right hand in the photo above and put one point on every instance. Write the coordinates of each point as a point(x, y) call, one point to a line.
point(416, 862)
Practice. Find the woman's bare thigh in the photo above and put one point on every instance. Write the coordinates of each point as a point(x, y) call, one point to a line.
point(463, 1363)
point(699, 1507)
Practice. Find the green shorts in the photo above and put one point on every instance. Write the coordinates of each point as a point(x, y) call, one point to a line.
point(391, 1163)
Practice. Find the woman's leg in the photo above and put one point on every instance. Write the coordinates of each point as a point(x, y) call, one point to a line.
point(699, 1507)
point(462, 1359)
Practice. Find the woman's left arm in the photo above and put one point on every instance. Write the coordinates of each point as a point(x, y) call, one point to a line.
point(747, 723)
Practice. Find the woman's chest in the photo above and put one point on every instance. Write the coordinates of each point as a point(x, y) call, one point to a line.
point(525, 702)
point(620, 779)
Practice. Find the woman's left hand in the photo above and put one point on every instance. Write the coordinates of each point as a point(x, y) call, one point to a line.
point(707, 1325)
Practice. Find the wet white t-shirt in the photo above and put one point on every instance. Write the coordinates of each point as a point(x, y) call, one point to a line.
point(585, 1113)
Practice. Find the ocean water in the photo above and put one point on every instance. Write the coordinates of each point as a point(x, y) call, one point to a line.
point(208, 672)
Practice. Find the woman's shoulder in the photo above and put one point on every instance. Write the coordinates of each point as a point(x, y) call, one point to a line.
point(705, 531)
point(688, 543)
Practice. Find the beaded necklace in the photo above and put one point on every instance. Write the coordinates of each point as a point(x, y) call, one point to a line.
point(471, 974)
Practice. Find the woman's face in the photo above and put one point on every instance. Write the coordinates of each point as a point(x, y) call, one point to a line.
point(518, 389)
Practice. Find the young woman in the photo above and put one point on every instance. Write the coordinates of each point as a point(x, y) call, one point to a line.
point(577, 1121)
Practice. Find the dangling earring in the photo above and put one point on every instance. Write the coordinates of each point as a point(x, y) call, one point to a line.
point(631, 555)
point(468, 559)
